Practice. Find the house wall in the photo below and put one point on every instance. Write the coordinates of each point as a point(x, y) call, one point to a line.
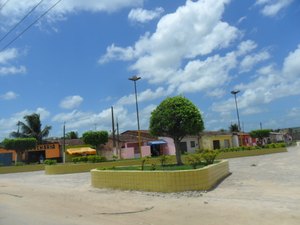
point(2, 150)
point(206, 142)
point(190, 147)
point(169, 147)
point(127, 153)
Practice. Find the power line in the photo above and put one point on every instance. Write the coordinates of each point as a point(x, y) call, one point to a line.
point(1, 7)
point(17, 24)
point(27, 28)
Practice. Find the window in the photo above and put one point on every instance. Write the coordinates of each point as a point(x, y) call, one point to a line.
point(193, 144)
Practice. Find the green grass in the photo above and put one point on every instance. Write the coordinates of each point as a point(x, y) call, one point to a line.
point(155, 168)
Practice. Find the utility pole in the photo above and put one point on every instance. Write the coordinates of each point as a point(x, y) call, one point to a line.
point(237, 110)
point(118, 139)
point(64, 143)
point(113, 127)
point(134, 79)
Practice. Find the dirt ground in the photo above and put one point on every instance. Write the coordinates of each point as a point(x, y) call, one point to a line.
point(261, 190)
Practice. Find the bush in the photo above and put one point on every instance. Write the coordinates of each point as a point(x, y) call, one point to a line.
point(90, 159)
point(164, 159)
point(96, 158)
point(194, 160)
point(143, 161)
point(50, 162)
point(209, 156)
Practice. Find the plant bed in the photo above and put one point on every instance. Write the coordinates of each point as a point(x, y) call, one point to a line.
point(154, 167)
point(161, 180)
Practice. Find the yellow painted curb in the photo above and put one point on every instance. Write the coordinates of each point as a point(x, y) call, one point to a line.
point(161, 181)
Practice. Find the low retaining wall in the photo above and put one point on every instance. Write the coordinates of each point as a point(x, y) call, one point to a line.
point(256, 152)
point(161, 181)
point(20, 169)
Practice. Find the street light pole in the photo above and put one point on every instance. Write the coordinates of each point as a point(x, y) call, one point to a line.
point(236, 106)
point(134, 79)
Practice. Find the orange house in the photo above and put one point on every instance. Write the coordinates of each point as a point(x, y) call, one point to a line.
point(41, 152)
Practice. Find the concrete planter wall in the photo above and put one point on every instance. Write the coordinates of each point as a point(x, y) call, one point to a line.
point(161, 181)
point(256, 152)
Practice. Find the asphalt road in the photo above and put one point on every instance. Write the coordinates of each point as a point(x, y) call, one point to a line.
point(261, 190)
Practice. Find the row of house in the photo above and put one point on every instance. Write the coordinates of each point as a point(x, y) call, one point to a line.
point(127, 145)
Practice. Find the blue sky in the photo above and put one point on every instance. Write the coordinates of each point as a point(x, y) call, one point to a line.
point(74, 64)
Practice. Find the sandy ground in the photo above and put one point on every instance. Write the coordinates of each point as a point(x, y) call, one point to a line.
point(261, 190)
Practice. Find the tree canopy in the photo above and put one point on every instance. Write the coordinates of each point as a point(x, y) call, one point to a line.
point(95, 138)
point(72, 135)
point(32, 127)
point(20, 145)
point(176, 117)
point(260, 134)
point(234, 128)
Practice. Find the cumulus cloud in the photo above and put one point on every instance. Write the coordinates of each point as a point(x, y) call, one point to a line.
point(6, 66)
point(250, 60)
point(268, 85)
point(89, 120)
point(272, 7)
point(10, 95)
point(71, 102)
point(146, 95)
point(10, 124)
point(170, 54)
point(142, 15)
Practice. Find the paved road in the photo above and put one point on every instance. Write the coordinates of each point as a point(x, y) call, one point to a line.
point(261, 190)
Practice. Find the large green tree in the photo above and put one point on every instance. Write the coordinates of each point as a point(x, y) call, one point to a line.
point(95, 138)
point(20, 145)
point(32, 127)
point(176, 117)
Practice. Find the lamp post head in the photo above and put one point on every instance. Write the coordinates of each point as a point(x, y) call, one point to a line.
point(134, 78)
point(234, 92)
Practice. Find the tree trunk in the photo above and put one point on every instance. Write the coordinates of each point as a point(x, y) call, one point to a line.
point(178, 152)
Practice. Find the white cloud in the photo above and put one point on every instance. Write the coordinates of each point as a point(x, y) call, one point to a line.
point(6, 67)
point(14, 10)
point(9, 96)
point(8, 55)
point(102, 121)
point(196, 29)
point(142, 15)
point(272, 7)
point(12, 70)
point(71, 102)
point(9, 125)
point(146, 95)
point(268, 85)
point(251, 60)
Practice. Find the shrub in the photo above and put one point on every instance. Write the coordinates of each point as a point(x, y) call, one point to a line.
point(96, 158)
point(114, 157)
point(90, 159)
point(209, 156)
point(153, 166)
point(50, 162)
point(164, 159)
point(143, 161)
point(194, 160)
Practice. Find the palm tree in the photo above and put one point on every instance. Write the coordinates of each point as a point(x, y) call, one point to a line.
point(32, 128)
point(234, 128)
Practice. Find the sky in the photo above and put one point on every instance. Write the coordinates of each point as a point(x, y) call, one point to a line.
point(73, 64)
